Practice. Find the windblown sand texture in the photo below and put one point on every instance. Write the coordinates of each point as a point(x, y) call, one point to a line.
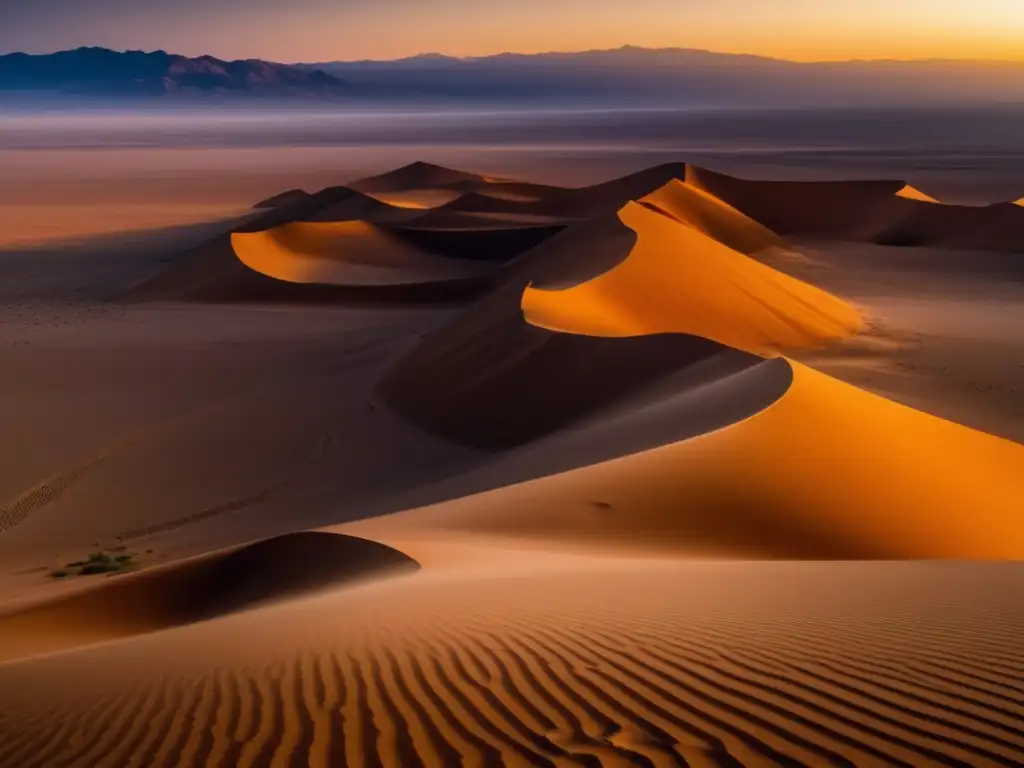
point(527, 475)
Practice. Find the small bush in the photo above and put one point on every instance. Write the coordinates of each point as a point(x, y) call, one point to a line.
point(96, 563)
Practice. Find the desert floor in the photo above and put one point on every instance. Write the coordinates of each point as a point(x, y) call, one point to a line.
point(782, 553)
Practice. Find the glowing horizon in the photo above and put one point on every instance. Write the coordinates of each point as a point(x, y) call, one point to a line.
point(329, 30)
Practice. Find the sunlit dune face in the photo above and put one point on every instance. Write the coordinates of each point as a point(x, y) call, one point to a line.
point(419, 198)
point(679, 280)
point(911, 193)
point(340, 253)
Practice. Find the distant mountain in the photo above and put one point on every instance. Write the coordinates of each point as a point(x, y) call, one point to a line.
point(668, 76)
point(624, 76)
point(102, 72)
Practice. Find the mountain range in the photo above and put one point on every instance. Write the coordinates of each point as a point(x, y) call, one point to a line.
point(103, 72)
point(625, 75)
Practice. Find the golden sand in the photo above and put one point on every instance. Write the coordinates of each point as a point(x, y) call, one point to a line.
point(638, 575)
point(679, 280)
point(912, 193)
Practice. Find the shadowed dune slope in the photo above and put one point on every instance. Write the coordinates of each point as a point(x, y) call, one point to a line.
point(882, 212)
point(199, 589)
point(845, 210)
point(815, 483)
point(490, 379)
point(678, 280)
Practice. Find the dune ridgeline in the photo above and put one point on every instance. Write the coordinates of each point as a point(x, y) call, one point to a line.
point(658, 546)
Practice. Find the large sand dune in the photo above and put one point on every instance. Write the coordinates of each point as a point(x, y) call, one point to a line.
point(594, 518)
point(678, 280)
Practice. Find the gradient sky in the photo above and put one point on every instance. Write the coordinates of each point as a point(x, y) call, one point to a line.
point(319, 30)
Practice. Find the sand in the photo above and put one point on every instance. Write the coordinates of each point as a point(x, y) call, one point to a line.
point(660, 487)
point(678, 280)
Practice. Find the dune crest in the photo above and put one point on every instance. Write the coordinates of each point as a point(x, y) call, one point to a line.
point(678, 280)
point(912, 193)
point(342, 253)
point(717, 219)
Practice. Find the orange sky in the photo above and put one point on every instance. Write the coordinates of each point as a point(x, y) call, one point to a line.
point(318, 30)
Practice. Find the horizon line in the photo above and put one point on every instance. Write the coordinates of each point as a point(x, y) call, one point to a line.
point(627, 46)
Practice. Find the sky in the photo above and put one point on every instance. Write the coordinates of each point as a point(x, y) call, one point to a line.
point(331, 30)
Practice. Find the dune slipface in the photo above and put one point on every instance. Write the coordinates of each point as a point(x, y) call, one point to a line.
point(718, 220)
point(679, 280)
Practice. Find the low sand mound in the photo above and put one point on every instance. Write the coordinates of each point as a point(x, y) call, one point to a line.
point(200, 589)
point(678, 280)
point(912, 193)
point(813, 485)
point(342, 253)
point(418, 176)
point(716, 219)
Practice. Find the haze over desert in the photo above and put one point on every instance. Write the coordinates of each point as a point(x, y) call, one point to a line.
point(498, 433)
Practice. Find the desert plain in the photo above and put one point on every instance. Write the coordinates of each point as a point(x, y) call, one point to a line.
point(439, 465)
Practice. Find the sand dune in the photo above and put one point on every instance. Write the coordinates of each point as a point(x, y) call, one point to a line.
point(415, 176)
point(567, 525)
point(343, 253)
point(198, 589)
point(882, 212)
point(678, 280)
point(716, 219)
point(288, 197)
point(820, 493)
